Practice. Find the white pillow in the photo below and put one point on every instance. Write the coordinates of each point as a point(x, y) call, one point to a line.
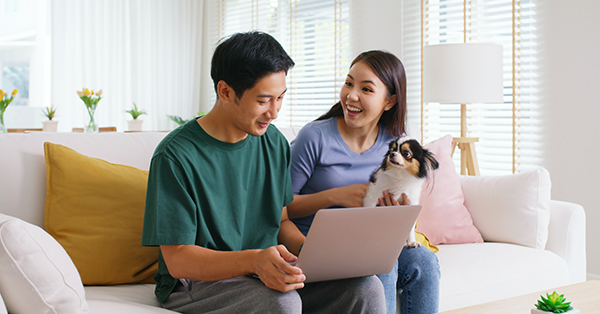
point(37, 274)
point(512, 209)
point(2, 306)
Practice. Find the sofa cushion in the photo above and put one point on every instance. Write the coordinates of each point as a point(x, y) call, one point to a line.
point(104, 306)
point(95, 210)
point(37, 274)
point(482, 272)
point(133, 293)
point(444, 218)
point(512, 208)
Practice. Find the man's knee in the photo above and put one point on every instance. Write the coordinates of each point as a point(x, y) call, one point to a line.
point(284, 303)
point(369, 292)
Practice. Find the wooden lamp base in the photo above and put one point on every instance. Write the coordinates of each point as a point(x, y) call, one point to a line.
point(468, 156)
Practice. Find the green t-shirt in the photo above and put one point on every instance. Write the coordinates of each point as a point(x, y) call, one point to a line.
point(217, 195)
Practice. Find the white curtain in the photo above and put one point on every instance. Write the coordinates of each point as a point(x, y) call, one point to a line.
point(146, 52)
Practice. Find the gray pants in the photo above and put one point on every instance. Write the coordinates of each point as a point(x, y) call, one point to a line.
point(249, 295)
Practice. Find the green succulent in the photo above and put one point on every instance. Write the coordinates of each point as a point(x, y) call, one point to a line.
point(135, 112)
point(179, 120)
point(554, 303)
point(49, 112)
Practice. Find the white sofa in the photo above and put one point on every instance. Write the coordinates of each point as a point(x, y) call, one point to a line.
point(471, 273)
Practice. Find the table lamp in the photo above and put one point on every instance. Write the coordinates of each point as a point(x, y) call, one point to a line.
point(463, 73)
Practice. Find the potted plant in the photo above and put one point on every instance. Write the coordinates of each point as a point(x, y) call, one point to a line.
point(50, 125)
point(135, 124)
point(180, 121)
point(553, 303)
point(177, 119)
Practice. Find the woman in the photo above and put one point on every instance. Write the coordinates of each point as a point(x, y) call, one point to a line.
point(334, 156)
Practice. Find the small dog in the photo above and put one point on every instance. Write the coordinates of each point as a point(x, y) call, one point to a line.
point(404, 169)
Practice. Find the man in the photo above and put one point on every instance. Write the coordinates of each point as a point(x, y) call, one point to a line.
point(216, 201)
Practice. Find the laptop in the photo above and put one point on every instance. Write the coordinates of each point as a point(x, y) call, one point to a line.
point(355, 242)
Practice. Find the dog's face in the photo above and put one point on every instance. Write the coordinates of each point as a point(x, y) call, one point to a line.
point(410, 156)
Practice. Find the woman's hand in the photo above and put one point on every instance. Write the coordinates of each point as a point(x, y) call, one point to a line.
point(388, 200)
point(351, 195)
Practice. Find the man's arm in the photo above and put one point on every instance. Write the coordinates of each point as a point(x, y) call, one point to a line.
point(271, 264)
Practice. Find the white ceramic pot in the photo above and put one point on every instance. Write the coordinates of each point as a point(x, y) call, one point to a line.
point(135, 125)
point(536, 311)
point(50, 126)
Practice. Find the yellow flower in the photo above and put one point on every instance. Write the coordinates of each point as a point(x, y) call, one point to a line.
point(86, 92)
point(99, 93)
point(80, 94)
point(1, 94)
point(15, 92)
point(92, 92)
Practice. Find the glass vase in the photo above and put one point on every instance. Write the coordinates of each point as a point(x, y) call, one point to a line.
point(91, 127)
point(2, 126)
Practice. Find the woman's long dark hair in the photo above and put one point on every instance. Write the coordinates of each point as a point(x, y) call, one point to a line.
point(390, 71)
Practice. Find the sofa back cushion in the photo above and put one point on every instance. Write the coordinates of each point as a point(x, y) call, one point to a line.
point(95, 210)
point(23, 166)
point(444, 218)
point(511, 208)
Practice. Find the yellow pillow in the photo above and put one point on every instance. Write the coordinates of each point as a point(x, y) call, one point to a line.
point(95, 210)
point(424, 240)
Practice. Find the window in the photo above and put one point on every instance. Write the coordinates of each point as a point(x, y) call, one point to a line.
point(509, 133)
point(18, 30)
point(315, 33)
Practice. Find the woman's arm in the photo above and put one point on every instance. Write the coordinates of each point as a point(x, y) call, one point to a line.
point(309, 204)
point(289, 235)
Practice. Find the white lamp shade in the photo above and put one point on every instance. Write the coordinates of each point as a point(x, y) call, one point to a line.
point(463, 73)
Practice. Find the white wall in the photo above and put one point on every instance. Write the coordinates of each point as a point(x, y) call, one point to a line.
point(375, 24)
point(569, 70)
point(570, 96)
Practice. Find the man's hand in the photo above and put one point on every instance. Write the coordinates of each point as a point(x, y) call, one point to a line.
point(388, 200)
point(273, 268)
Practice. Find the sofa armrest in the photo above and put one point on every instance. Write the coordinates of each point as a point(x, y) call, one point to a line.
point(3, 309)
point(566, 237)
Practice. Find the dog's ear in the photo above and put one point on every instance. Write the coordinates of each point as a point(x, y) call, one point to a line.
point(373, 177)
point(430, 160)
point(393, 145)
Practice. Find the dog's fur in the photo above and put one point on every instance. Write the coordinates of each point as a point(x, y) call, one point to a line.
point(404, 169)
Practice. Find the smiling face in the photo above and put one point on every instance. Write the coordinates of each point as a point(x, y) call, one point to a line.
point(258, 106)
point(364, 97)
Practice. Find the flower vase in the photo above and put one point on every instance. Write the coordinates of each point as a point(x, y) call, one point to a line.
point(92, 127)
point(2, 126)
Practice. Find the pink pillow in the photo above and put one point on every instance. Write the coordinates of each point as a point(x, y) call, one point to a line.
point(444, 219)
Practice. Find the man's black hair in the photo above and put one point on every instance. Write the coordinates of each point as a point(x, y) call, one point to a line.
point(244, 58)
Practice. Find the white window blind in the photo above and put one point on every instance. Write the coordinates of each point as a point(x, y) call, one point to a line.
point(315, 33)
point(509, 133)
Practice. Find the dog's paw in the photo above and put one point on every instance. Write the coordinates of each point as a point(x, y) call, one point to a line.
point(413, 244)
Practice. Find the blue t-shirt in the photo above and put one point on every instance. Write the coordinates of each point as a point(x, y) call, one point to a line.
point(321, 160)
